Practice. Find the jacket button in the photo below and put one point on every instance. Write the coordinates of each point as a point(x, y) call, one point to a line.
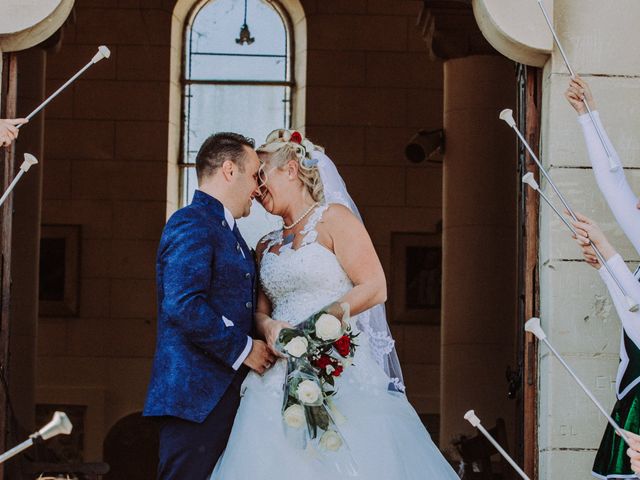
point(248, 304)
point(238, 247)
point(224, 223)
point(247, 275)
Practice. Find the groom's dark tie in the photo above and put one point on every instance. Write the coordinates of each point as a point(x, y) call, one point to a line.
point(241, 242)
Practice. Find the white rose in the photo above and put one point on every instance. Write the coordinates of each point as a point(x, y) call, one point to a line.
point(330, 440)
point(297, 347)
point(294, 416)
point(308, 392)
point(328, 327)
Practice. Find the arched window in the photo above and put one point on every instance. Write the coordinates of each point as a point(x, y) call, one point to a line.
point(234, 85)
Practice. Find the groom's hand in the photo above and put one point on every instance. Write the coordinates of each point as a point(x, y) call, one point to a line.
point(261, 357)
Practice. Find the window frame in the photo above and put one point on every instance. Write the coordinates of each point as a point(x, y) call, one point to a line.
point(291, 83)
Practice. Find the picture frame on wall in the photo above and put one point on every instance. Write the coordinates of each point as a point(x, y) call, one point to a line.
point(59, 270)
point(416, 294)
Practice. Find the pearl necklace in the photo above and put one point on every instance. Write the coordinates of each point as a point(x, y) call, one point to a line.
point(289, 227)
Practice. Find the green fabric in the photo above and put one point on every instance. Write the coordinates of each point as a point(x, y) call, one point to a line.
point(611, 458)
point(632, 371)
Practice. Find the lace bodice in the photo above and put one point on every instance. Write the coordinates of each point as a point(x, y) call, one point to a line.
point(300, 282)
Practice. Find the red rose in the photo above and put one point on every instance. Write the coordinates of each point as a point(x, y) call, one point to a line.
point(296, 137)
point(338, 370)
point(343, 345)
point(323, 362)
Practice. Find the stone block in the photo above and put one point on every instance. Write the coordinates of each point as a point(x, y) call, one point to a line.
point(142, 140)
point(52, 337)
point(95, 216)
point(87, 336)
point(133, 259)
point(421, 344)
point(409, 8)
point(130, 338)
point(121, 100)
point(356, 106)
point(424, 108)
point(344, 145)
point(79, 139)
point(133, 298)
point(385, 145)
point(114, 26)
point(403, 69)
point(570, 419)
point(94, 298)
point(92, 179)
point(56, 183)
point(576, 310)
point(424, 186)
point(61, 106)
point(143, 62)
point(140, 181)
point(357, 32)
point(330, 68)
point(138, 220)
point(342, 6)
point(95, 263)
point(375, 186)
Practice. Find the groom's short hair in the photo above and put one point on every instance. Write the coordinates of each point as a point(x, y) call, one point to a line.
point(219, 148)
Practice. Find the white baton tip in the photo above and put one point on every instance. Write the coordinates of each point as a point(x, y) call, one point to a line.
point(472, 418)
point(59, 425)
point(533, 326)
point(103, 52)
point(507, 116)
point(29, 161)
point(530, 180)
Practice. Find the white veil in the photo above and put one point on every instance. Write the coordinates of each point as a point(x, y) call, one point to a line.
point(373, 322)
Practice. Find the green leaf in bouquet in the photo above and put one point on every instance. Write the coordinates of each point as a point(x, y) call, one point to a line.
point(320, 416)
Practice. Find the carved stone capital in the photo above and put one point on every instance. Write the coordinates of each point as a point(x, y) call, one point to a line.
point(451, 31)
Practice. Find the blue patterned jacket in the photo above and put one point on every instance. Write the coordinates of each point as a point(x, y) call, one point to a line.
point(202, 276)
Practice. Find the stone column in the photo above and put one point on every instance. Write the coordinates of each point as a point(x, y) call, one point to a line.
point(480, 239)
point(480, 175)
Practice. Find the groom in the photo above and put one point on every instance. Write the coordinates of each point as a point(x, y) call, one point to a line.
point(206, 288)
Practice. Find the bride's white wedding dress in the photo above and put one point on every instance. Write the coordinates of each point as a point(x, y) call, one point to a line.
point(385, 435)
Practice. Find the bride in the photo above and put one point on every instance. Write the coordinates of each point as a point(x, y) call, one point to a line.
point(322, 255)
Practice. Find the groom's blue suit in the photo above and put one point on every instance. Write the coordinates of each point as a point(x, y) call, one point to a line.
point(206, 289)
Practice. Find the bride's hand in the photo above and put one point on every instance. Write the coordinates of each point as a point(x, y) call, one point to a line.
point(272, 331)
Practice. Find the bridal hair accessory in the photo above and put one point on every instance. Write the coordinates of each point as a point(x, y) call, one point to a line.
point(304, 148)
point(507, 116)
point(60, 424)
point(613, 165)
point(473, 419)
point(533, 326)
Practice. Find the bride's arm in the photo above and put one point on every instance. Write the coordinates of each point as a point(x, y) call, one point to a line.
point(267, 327)
point(355, 252)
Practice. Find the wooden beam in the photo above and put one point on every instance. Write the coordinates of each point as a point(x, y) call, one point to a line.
point(8, 91)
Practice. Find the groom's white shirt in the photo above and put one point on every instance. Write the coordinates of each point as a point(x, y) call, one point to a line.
point(228, 323)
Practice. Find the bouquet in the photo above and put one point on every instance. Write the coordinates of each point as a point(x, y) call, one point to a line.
point(317, 351)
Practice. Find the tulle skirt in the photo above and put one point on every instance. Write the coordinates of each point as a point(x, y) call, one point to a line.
point(384, 435)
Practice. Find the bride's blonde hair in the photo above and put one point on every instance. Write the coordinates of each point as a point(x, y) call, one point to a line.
point(283, 146)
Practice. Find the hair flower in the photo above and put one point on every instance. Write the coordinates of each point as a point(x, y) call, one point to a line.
point(296, 137)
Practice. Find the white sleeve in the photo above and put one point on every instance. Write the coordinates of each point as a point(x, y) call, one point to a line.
point(245, 353)
point(630, 320)
point(613, 185)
